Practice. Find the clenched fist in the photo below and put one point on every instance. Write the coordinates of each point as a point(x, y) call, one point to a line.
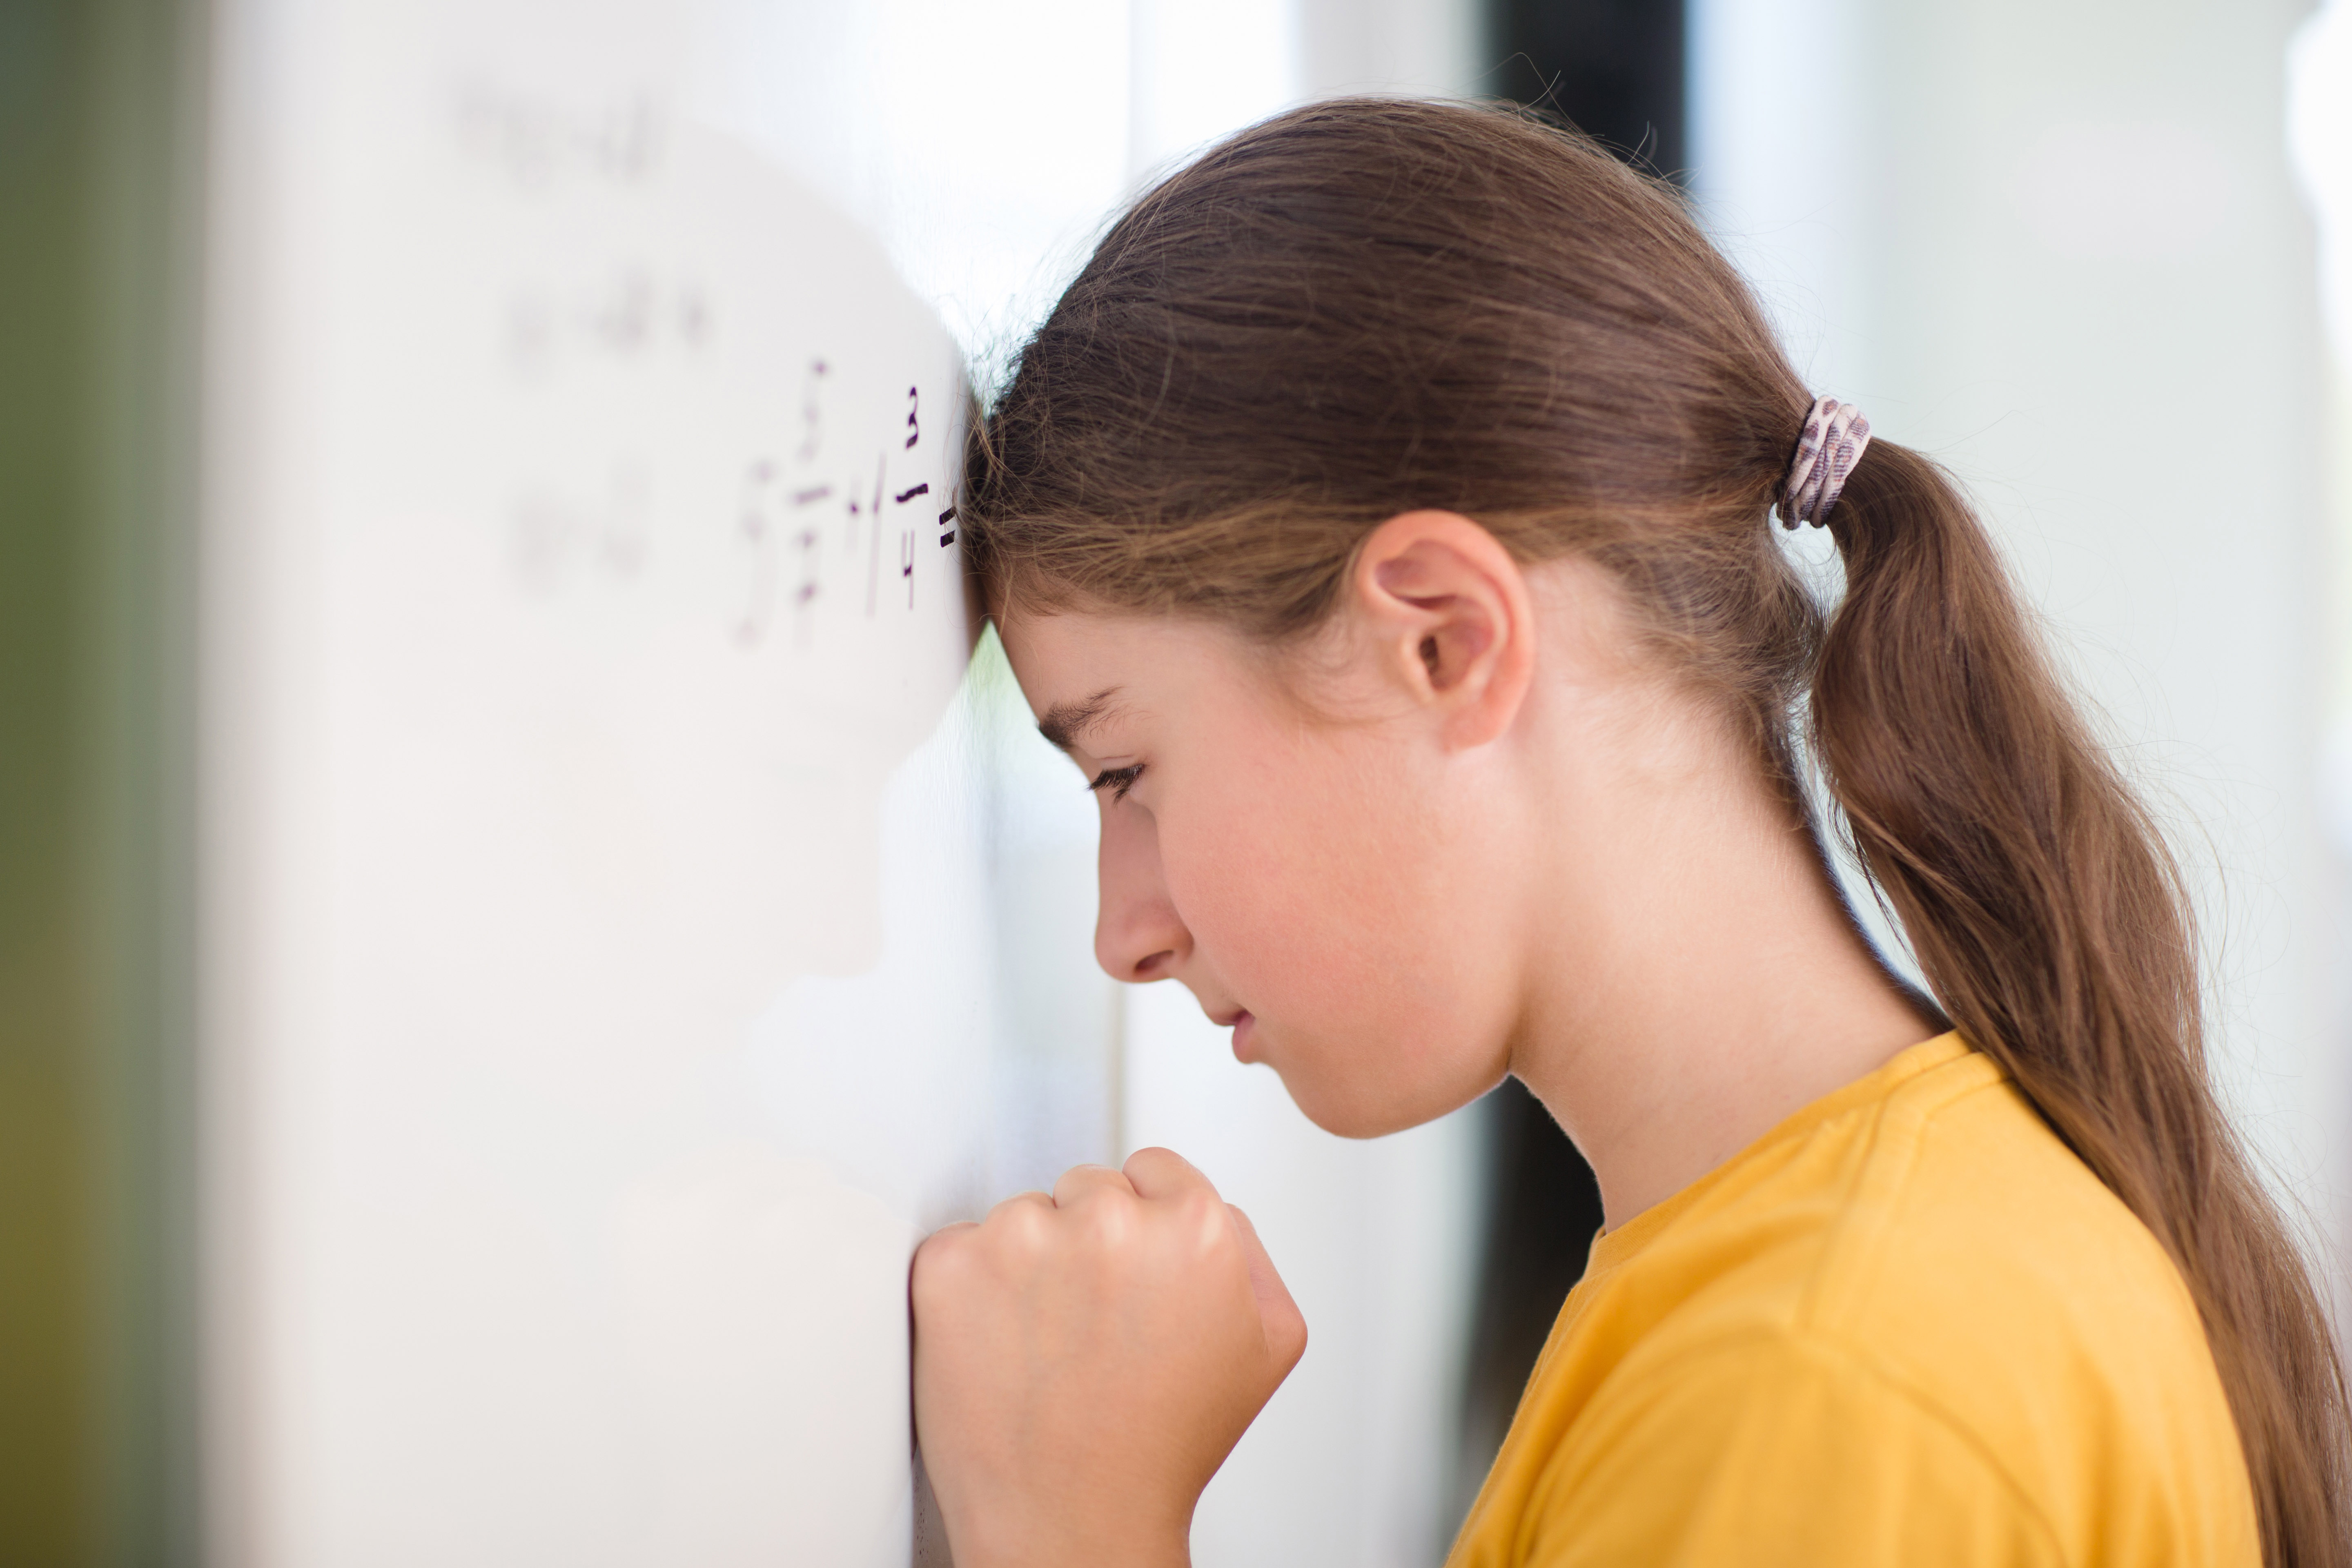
point(1085, 1361)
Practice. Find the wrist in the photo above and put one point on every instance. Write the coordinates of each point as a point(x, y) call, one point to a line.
point(1121, 1541)
point(1120, 1552)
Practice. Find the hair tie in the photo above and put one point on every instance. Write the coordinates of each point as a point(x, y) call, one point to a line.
point(1834, 434)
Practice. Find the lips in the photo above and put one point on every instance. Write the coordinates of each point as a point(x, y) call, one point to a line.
point(1243, 1027)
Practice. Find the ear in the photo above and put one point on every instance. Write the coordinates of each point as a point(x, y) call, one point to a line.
point(1451, 621)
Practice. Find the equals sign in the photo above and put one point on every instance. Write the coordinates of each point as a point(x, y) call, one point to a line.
point(803, 498)
point(947, 534)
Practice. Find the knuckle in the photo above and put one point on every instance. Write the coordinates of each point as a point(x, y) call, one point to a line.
point(940, 1265)
point(1022, 1231)
point(1018, 1204)
point(947, 1242)
point(1081, 1180)
point(1107, 1224)
point(1204, 1218)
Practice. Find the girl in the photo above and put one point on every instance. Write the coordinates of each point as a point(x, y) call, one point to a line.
point(1382, 521)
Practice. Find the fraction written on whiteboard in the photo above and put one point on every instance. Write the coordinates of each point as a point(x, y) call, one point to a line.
point(783, 567)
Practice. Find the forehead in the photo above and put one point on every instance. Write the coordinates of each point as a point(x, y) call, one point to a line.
point(1087, 665)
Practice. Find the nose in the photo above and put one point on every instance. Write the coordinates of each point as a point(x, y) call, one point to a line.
point(1137, 934)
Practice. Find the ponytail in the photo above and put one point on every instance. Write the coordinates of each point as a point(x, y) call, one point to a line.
point(2054, 929)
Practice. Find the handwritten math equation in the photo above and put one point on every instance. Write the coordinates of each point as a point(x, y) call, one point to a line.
point(803, 536)
point(810, 524)
point(834, 517)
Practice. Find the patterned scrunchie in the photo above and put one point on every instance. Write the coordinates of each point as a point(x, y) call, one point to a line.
point(1836, 432)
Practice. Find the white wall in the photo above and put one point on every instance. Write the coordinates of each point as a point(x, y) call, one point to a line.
point(597, 951)
point(2056, 245)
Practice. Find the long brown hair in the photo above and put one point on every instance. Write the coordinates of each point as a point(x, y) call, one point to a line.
point(1368, 306)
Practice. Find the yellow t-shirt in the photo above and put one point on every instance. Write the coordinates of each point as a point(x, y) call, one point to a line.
point(1906, 1326)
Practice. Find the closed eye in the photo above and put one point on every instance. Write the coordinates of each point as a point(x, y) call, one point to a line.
point(1119, 781)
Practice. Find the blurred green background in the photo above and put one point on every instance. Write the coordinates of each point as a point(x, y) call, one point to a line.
point(97, 179)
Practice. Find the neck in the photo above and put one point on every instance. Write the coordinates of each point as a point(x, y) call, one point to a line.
point(1714, 988)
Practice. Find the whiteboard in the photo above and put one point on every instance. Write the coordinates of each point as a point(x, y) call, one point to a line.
point(599, 909)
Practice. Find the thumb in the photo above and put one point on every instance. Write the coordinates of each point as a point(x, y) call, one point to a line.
point(1284, 1325)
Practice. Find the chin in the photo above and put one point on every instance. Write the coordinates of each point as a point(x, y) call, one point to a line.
point(1346, 1111)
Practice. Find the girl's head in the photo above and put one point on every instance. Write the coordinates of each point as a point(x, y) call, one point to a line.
point(1353, 313)
point(1335, 413)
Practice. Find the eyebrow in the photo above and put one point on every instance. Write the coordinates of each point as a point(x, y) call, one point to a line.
point(1065, 721)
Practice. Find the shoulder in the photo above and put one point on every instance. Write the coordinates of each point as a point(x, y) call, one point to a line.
point(1984, 1266)
point(1773, 1446)
point(1935, 1283)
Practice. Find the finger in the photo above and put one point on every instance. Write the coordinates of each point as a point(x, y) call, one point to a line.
point(1284, 1324)
point(1031, 1199)
point(1164, 1174)
point(1086, 1181)
point(938, 1251)
point(941, 1235)
point(941, 1242)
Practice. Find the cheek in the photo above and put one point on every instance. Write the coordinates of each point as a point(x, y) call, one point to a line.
point(1315, 882)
